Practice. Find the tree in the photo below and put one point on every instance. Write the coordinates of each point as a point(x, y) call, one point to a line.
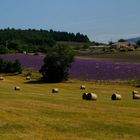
point(110, 43)
point(2, 65)
point(17, 66)
point(121, 40)
point(14, 45)
point(3, 49)
point(138, 42)
point(10, 67)
point(57, 63)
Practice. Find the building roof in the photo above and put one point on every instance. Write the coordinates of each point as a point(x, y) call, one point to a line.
point(124, 44)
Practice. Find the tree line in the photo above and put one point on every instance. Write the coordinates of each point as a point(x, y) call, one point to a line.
point(32, 40)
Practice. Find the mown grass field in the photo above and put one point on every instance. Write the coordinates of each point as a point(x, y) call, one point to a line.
point(34, 113)
point(131, 57)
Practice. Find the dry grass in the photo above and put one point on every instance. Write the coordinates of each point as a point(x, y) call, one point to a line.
point(36, 113)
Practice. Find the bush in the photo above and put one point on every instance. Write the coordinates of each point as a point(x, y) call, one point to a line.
point(10, 67)
point(86, 46)
point(113, 50)
point(131, 49)
point(123, 50)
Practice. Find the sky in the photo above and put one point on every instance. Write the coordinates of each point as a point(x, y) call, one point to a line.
point(100, 20)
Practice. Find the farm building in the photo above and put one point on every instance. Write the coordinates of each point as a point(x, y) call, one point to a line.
point(119, 45)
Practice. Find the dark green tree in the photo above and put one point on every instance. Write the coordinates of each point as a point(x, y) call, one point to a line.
point(2, 65)
point(3, 49)
point(7, 66)
point(138, 43)
point(57, 63)
point(121, 40)
point(17, 66)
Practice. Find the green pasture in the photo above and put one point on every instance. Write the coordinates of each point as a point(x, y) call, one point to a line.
point(35, 113)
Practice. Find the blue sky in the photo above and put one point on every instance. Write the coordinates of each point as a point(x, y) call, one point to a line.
point(101, 20)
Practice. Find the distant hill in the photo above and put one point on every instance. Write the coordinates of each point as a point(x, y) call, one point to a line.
point(133, 40)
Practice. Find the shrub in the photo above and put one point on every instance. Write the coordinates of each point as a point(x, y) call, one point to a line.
point(131, 49)
point(10, 67)
point(123, 50)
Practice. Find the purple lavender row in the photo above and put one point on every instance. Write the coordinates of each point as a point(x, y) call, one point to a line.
point(85, 69)
point(104, 70)
point(27, 61)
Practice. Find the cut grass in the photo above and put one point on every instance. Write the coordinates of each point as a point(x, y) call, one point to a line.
point(36, 113)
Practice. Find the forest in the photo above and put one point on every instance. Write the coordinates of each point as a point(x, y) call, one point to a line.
point(33, 40)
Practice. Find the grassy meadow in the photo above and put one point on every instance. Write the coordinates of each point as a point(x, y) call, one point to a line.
point(131, 57)
point(35, 113)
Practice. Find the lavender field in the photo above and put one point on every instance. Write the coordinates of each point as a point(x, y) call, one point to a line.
point(27, 61)
point(85, 69)
point(104, 70)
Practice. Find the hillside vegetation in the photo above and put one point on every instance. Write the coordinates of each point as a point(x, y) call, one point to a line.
point(35, 113)
point(32, 40)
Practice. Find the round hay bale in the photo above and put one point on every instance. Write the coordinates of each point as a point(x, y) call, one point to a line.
point(91, 96)
point(28, 78)
point(135, 92)
point(116, 97)
point(82, 87)
point(1, 78)
point(55, 90)
point(136, 96)
point(17, 88)
point(84, 96)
